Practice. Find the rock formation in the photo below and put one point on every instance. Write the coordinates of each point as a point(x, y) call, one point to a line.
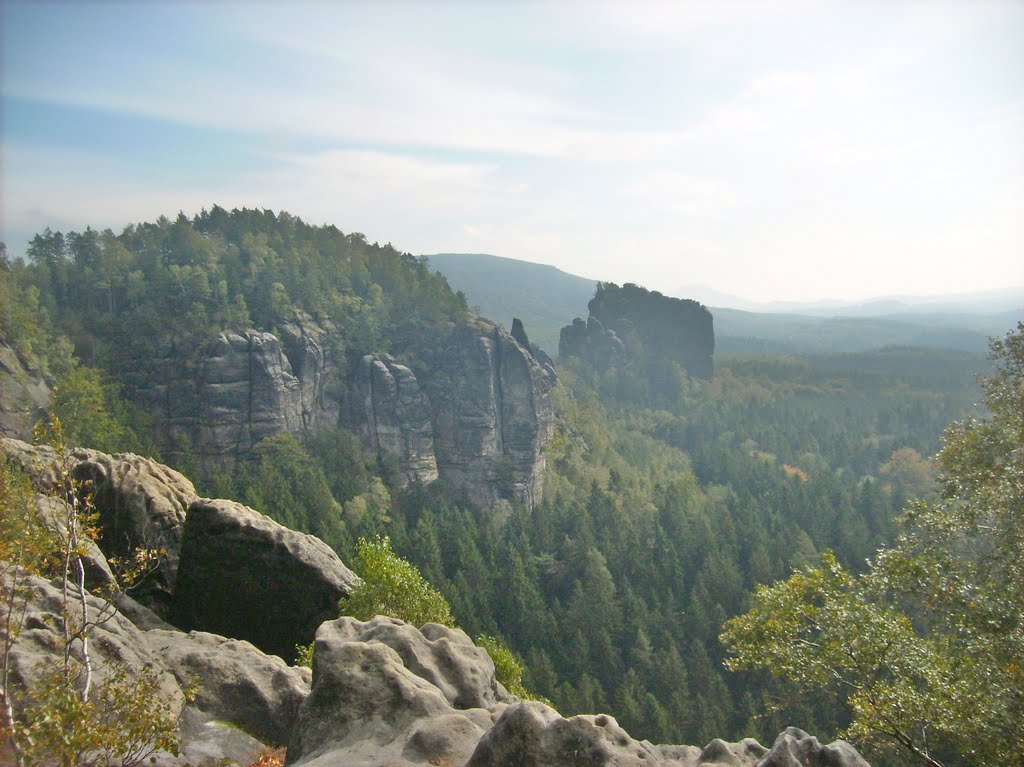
point(243, 575)
point(492, 414)
point(235, 682)
point(592, 342)
point(390, 413)
point(141, 503)
point(671, 329)
point(23, 395)
point(473, 410)
point(380, 692)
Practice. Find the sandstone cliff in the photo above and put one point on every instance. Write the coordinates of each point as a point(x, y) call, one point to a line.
point(642, 322)
point(473, 411)
point(23, 395)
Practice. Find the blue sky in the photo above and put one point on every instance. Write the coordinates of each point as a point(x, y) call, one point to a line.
point(774, 150)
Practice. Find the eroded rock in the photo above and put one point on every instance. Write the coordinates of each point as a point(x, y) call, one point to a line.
point(235, 681)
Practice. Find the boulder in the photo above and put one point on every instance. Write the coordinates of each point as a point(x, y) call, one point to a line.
point(443, 656)
point(236, 682)
point(141, 504)
point(367, 708)
point(243, 575)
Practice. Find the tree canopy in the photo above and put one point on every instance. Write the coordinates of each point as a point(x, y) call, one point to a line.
point(926, 646)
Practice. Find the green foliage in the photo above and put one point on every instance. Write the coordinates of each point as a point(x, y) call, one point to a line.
point(392, 586)
point(68, 718)
point(304, 655)
point(93, 410)
point(123, 721)
point(508, 669)
point(925, 647)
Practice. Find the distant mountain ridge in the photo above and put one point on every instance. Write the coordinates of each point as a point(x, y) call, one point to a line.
point(547, 298)
point(544, 297)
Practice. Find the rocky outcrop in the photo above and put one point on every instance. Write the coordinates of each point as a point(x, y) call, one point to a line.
point(386, 693)
point(141, 504)
point(235, 681)
point(593, 342)
point(368, 708)
point(240, 389)
point(23, 395)
point(114, 642)
point(492, 414)
point(390, 413)
point(473, 410)
point(646, 322)
point(243, 575)
point(795, 748)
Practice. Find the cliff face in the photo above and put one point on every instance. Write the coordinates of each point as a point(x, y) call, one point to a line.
point(491, 412)
point(476, 414)
point(23, 395)
point(633, 318)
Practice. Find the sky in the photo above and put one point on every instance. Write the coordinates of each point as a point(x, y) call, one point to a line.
point(774, 150)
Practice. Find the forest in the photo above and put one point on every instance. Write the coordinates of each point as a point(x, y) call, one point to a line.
point(665, 507)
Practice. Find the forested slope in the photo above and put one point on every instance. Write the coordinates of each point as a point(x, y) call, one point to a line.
point(660, 514)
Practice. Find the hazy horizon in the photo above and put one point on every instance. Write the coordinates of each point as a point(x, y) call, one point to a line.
point(778, 151)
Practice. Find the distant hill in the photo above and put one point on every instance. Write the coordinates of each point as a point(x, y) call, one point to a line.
point(543, 297)
point(546, 298)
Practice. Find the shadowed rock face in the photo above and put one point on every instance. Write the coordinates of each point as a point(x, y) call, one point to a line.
point(243, 575)
point(141, 504)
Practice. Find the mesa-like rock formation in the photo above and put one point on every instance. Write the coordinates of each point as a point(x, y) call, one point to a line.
point(643, 321)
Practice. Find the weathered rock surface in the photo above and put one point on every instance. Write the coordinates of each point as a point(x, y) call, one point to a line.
point(385, 693)
point(23, 395)
point(141, 504)
point(367, 708)
point(116, 641)
point(243, 575)
point(241, 389)
point(445, 657)
point(390, 413)
point(795, 748)
point(492, 414)
point(236, 682)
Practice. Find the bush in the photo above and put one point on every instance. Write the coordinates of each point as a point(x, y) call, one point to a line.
point(394, 587)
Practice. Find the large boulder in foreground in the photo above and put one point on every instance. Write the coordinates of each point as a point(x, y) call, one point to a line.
point(243, 575)
point(386, 693)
